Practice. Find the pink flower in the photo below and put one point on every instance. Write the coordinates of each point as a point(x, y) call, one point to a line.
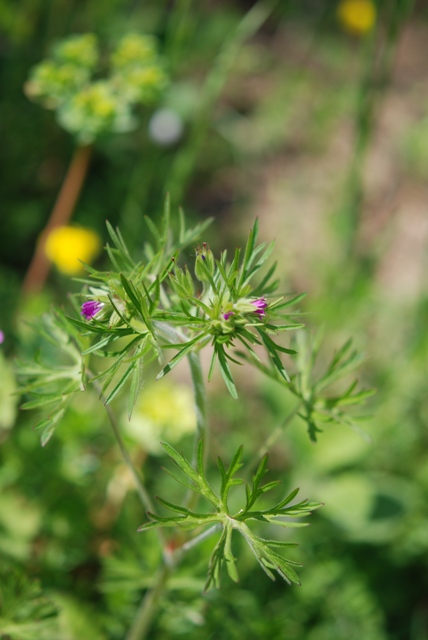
point(227, 315)
point(260, 306)
point(1, 337)
point(91, 308)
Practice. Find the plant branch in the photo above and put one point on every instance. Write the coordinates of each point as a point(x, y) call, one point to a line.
point(171, 335)
point(141, 490)
point(149, 604)
point(61, 214)
point(193, 542)
point(148, 607)
point(200, 402)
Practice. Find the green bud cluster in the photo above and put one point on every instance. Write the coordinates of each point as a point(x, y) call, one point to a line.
point(78, 50)
point(204, 264)
point(182, 282)
point(142, 310)
point(88, 107)
point(136, 72)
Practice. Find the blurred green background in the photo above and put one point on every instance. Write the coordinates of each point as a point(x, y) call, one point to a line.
point(312, 116)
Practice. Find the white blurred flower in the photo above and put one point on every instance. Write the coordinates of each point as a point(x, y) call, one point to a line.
point(165, 127)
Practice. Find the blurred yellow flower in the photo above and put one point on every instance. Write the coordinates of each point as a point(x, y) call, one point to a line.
point(357, 16)
point(65, 246)
point(134, 50)
point(164, 411)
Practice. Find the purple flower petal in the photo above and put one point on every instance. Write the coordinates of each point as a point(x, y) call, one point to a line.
point(227, 315)
point(260, 306)
point(91, 308)
point(1, 337)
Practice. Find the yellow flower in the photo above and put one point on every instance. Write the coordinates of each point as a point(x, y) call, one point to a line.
point(134, 50)
point(65, 246)
point(80, 50)
point(357, 16)
point(164, 411)
point(96, 99)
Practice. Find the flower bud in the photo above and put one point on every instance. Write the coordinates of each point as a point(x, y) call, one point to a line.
point(91, 308)
point(204, 265)
point(260, 306)
point(182, 282)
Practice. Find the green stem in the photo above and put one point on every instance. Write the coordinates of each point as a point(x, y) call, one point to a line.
point(377, 67)
point(249, 25)
point(149, 606)
point(139, 484)
point(270, 441)
point(193, 542)
point(141, 489)
point(200, 402)
point(172, 335)
point(150, 602)
point(182, 22)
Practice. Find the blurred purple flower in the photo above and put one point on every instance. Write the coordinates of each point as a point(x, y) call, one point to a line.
point(1, 337)
point(227, 315)
point(91, 308)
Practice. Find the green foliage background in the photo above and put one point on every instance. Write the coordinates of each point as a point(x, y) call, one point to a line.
point(257, 120)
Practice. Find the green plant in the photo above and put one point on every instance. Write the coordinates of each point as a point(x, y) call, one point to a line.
point(134, 314)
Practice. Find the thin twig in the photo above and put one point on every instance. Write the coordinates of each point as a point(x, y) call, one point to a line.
point(141, 490)
point(199, 395)
point(61, 214)
point(273, 437)
point(139, 485)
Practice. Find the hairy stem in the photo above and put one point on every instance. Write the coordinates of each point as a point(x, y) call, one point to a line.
point(61, 214)
point(141, 489)
point(200, 402)
point(148, 607)
point(172, 335)
point(139, 485)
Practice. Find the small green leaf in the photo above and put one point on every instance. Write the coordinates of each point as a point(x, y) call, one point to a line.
point(249, 249)
point(121, 383)
point(40, 400)
point(272, 349)
point(225, 371)
point(132, 294)
point(179, 356)
point(228, 555)
point(216, 562)
point(200, 484)
point(137, 378)
point(280, 304)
